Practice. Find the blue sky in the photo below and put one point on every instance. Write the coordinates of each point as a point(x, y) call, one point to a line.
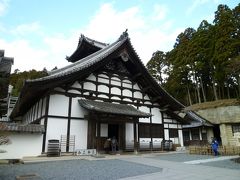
point(40, 33)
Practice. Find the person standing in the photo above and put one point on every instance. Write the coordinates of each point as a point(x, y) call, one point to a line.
point(214, 146)
point(114, 144)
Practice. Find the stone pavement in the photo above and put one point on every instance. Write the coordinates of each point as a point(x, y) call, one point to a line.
point(180, 170)
point(171, 166)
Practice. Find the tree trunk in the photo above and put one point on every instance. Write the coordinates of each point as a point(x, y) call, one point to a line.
point(203, 92)
point(215, 90)
point(189, 96)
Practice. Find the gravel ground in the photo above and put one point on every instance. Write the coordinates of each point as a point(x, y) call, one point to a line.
point(77, 170)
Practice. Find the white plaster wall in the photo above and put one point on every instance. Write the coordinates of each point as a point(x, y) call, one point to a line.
point(74, 91)
point(44, 106)
point(39, 108)
point(79, 129)
point(22, 144)
point(146, 97)
point(103, 75)
point(55, 128)
point(146, 110)
point(59, 89)
point(104, 130)
point(91, 77)
point(103, 96)
point(127, 93)
point(77, 110)
point(157, 116)
point(115, 90)
point(138, 95)
point(166, 134)
point(89, 86)
point(180, 136)
point(129, 132)
point(103, 88)
point(116, 98)
point(127, 85)
point(135, 86)
point(103, 80)
point(117, 83)
point(173, 126)
point(58, 105)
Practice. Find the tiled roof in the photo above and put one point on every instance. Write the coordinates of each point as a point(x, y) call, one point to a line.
point(197, 120)
point(93, 42)
point(29, 128)
point(83, 63)
point(112, 108)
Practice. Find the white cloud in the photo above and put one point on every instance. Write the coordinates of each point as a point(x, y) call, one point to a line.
point(3, 6)
point(25, 29)
point(147, 33)
point(197, 3)
point(106, 25)
point(160, 12)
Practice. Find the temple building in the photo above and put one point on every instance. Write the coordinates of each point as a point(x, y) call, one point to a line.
point(105, 92)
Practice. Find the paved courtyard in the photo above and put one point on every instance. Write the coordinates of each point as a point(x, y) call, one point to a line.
point(127, 167)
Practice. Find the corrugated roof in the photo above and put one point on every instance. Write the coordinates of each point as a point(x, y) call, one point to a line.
point(29, 128)
point(112, 108)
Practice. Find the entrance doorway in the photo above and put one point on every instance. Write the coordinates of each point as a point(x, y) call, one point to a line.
point(113, 130)
point(216, 133)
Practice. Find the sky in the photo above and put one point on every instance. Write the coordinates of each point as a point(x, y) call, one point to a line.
point(41, 33)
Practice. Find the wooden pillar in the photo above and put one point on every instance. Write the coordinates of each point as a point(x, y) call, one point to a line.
point(69, 124)
point(98, 136)
point(45, 123)
point(135, 136)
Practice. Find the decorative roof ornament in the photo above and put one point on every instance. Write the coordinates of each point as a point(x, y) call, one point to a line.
point(123, 35)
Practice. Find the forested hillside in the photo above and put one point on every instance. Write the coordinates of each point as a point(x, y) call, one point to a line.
point(204, 64)
point(18, 78)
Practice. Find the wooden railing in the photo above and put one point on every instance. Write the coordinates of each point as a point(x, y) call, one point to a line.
point(207, 150)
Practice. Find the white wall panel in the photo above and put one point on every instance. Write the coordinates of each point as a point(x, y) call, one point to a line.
point(55, 128)
point(89, 86)
point(135, 86)
point(127, 85)
point(58, 105)
point(103, 88)
point(79, 129)
point(74, 91)
point(22, 144)
point(138, 95)
point(127, 92)
point(103, 80)
point(91, 77)
point(166, 134)
point(117, 83)
point(44, 106)
point(115, 90)
point(103, 76)
point(174, 126)
point(103, 96)
point(157, 116)
point(77, 85)
point(104, 130)
point(59, 89)
point(77, 110)
point(146, 110)
point(116, 98)
point(146, 97)
point(129, 132)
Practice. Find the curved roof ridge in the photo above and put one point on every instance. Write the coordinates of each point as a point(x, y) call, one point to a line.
point(82, 63)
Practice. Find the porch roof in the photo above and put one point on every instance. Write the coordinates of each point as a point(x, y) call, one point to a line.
point(27, 128)
point(112, 108)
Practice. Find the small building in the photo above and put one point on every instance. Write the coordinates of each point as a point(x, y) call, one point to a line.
point(106, 92)
point(224, 116)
